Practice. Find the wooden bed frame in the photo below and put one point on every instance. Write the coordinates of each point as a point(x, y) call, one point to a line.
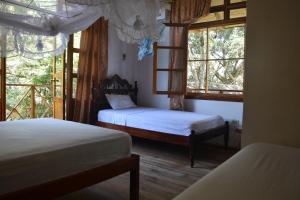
point(63, 186)
point(116, 85)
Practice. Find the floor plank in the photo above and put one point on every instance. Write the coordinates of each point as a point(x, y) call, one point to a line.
point(164, 172)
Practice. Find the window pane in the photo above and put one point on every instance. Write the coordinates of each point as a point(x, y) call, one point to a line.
point(236, 13)
point(74, 87)
point(77, 40)
point(226, 42)
point(162, 58)
point(162, 81)
point(196, 76)
point(75, 62)
point(211, 17)
point(217, 2)
point(226, 75)
point(164, 55)
point(197, 44)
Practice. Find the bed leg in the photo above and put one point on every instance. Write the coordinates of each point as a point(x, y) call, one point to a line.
point(192, 148)
point(135, 179)
point(226, 135)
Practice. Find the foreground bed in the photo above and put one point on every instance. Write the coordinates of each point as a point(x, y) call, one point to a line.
point(258, 172)
point(176, 127)
point(47, 158)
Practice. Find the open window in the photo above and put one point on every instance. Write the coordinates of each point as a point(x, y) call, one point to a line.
point(170, 60)
point(36, 88)
point(72, 71)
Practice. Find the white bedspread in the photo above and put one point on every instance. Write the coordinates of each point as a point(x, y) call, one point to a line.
point(39, 150)
point(166, 121)
point(258, 172)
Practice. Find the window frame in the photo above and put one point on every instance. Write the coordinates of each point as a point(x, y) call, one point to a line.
point(170, 69)
point(70, 77)
point(226, 8)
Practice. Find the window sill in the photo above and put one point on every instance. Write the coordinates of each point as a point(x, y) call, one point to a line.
point(215, 97)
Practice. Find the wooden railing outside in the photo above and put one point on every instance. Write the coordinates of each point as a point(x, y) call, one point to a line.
point(36, 101)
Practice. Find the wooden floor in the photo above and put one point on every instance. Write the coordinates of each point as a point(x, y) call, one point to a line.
point(165, 172)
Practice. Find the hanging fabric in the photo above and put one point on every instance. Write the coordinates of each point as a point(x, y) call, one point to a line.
point(93, 61)
point(134, 20)
point(183, 11)
point(39, 28)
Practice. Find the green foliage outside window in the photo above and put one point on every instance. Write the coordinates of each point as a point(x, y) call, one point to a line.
point(216, 60)
point(21, 71)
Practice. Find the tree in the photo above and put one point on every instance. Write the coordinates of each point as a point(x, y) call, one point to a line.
point(21, 70)
point(224, 59)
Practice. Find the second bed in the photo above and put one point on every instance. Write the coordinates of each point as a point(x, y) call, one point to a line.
point(176, 127)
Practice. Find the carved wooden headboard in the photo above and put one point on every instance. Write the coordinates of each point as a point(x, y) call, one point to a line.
point(111, 85)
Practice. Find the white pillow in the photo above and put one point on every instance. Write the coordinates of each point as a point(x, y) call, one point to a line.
point(117, 101)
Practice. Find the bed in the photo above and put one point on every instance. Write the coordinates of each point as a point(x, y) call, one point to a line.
point(48, 158)
point(259, 171)
point(176, 127)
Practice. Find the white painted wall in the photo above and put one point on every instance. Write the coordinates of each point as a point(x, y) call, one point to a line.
point(116, 49)
point(272, 104)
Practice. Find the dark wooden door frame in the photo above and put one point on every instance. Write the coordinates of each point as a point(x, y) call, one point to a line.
point(2, 89)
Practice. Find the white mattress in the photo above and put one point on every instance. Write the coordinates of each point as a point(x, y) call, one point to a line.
point(40, 150)
point(258, 172)
point(166, 121)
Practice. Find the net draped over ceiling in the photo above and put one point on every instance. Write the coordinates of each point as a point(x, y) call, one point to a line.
point(40, 28)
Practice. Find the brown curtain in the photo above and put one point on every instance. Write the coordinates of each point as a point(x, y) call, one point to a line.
point(184, 12)
point(93, 61)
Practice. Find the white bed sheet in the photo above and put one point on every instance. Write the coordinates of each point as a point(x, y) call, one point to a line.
point(166, 121)
point(40, 150)
point(258, 172)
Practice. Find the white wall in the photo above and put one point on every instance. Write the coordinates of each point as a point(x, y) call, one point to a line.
point(272, 104)
point(116, 49)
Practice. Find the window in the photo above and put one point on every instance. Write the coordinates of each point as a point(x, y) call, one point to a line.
point(166, 74)
point(216, 60)
point(76, 47)
point(73, 62)
point(216, 53)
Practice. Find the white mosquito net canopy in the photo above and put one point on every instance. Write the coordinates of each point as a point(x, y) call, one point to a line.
point(39, 28)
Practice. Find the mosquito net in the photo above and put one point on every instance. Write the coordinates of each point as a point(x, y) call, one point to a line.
point(38, 28)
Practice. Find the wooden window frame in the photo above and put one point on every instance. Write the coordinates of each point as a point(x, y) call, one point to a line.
point(170, 69)
point(226, 8)
point(70, 76)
